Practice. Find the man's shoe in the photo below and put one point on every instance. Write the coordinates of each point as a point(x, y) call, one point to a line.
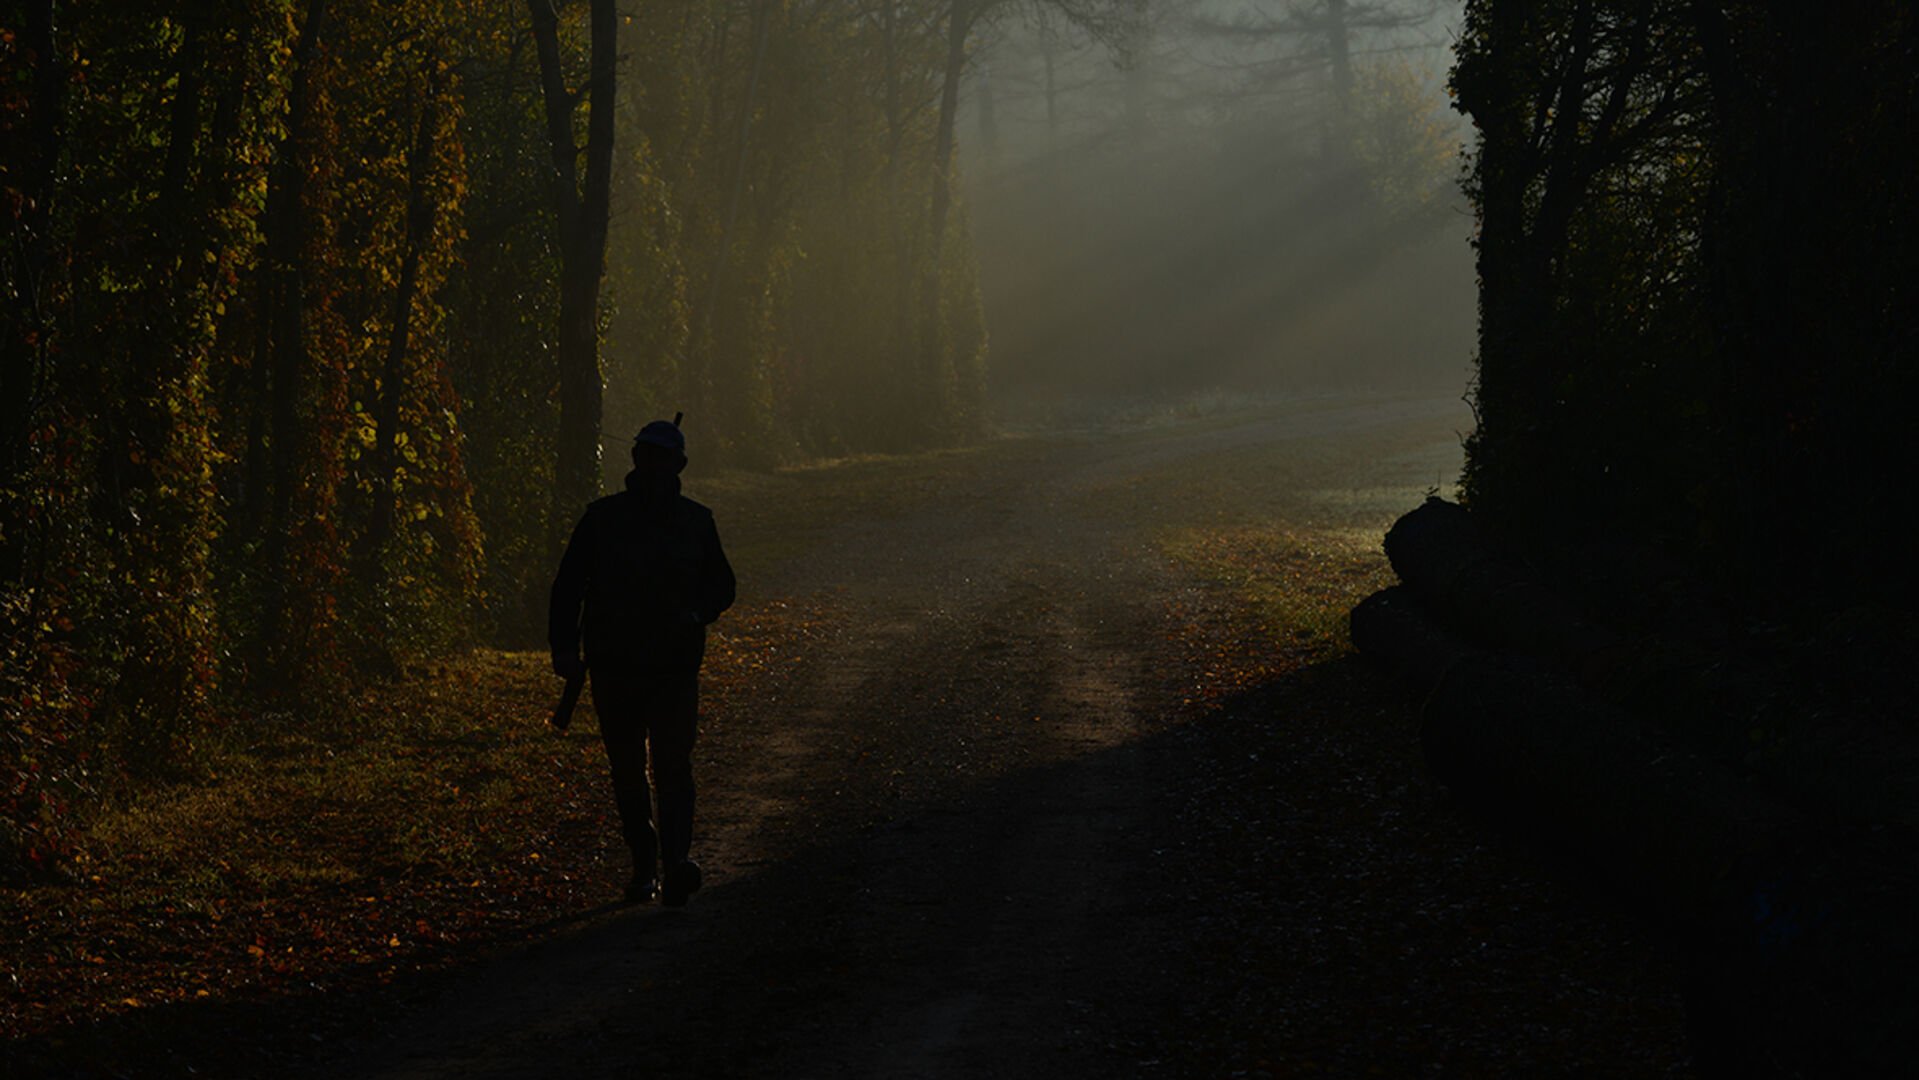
point(641, 888)
point(682, 881)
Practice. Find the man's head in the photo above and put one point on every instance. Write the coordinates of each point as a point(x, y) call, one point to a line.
point(660, 449)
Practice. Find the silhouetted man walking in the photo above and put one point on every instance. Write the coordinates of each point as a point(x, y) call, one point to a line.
point(641, 578)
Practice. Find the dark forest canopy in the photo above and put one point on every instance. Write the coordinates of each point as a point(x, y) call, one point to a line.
point(1697, 259)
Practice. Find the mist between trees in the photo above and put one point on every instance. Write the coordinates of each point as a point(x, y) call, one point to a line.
point(318, 315)
point(1230, 196)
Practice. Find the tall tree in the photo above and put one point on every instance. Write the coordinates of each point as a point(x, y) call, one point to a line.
point(1553, 121)
point(280, 359)
point(961, 16)
point(420, 213)
point(582, 214)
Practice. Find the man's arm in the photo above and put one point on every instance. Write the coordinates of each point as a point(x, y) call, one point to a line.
point(565, 600)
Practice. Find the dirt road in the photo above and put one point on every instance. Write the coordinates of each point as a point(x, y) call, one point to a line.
point(1052, 780)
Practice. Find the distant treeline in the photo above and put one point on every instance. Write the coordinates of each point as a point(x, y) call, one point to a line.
point(314, 313)
point(1698, 258)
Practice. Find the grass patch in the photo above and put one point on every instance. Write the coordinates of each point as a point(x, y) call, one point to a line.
point(1296, 587)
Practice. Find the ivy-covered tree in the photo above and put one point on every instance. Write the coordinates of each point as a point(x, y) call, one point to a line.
point(300, 339)
point(1691, 249)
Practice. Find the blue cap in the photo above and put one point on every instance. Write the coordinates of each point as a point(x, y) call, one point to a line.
point(663, 433)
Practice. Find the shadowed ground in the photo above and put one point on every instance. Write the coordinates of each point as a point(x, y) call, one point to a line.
point(1071, 774)
point(994, 827)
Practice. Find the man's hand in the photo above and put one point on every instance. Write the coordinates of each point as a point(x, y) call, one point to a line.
point(569, 667)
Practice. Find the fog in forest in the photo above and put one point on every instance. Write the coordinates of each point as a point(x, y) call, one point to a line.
point(1222, 199)
point(1170, 537)
point(1154, 204)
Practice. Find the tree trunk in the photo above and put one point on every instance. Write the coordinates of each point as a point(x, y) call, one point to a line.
point(161, 354)
point(1508, 299)
point(419, 227)
point(280, 339)
point(564, 180)
point(582, 214)
point(899, 219)
point(1339, 51)
point(735, 190)
point(958, 27)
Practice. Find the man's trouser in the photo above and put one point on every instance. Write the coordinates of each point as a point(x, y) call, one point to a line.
point(657, 710)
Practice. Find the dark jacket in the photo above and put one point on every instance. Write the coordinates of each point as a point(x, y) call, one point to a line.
point(641, 578)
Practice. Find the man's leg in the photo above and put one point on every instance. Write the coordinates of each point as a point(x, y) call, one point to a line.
point(623, 730)
point(673, 725)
